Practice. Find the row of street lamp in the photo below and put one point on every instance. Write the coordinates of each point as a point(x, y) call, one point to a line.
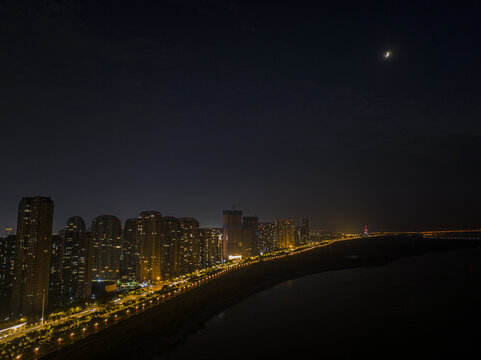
point(176, 292)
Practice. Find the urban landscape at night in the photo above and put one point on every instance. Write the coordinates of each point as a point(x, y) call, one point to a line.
point(60, 288)
point(68, 285)
point(232, 179)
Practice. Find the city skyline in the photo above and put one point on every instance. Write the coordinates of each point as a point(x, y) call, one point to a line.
point(59, 225)
point(45, 271)
point(239, 179)
point(283, 109)
point(11, 229)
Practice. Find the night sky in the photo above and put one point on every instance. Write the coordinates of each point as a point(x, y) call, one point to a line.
point(283, 108)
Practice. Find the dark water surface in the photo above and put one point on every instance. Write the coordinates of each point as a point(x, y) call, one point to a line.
point(418, 307)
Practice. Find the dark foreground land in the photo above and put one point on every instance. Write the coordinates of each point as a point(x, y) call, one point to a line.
point(153, 333)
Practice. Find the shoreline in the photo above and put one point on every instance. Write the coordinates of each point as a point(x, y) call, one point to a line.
point(192, 328)
point(156, 332)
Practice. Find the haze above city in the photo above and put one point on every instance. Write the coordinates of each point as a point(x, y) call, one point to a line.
point(285, 110)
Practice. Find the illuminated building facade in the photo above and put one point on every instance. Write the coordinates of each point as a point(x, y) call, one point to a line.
point(219, 245)
point(56, 292)
point(77, 260)
point(189, 245)
point(106, 233)
point(267, 239)
point(7, 261)
point(204, 238)
point(298, 235)
point(149, 239)
point(285, 233)
point(130, 251)
point(250, 236)
point(304, 232)
point(232, 233)
point(171, 245)
point(210, 247)
point(32, 256)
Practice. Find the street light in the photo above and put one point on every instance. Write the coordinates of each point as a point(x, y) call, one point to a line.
point(36, 350)
point(84, 330)
point(59, 340)
point(71, 336)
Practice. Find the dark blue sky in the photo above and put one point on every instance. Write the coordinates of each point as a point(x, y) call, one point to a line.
point(285, 109)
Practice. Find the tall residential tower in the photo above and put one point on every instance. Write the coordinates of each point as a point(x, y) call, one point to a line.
point(250, 238)
point(171, 247)
point(77, 260)
point(32, 256)
point(149, 239)
point(189, 245)
point(285, 233)
point(267, 238)
point(130, 251)
point(106, 232)
point(232, 231)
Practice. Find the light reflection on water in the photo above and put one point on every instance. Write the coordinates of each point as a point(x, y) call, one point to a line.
point(430, 300)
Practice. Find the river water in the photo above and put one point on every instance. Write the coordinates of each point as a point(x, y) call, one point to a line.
point(417, 307)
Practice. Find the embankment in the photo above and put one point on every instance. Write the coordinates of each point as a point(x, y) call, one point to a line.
point(152, 333)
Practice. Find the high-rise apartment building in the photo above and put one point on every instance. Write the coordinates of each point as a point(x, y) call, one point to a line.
point(232, 233)
point(218, 244)
point(298, 235)
point(77, 261)
point(130, 251)
point(210, 246)
point(149, 239)
point(285, 233)
point(32, 256)
point(189, 245)
point(56, 293)
point(106, 233)
point(267, 237)
point(250, 246)
point(204, 242)
point(305, 232)
point(7, 261)
point(90, 242)
point(171, 246)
